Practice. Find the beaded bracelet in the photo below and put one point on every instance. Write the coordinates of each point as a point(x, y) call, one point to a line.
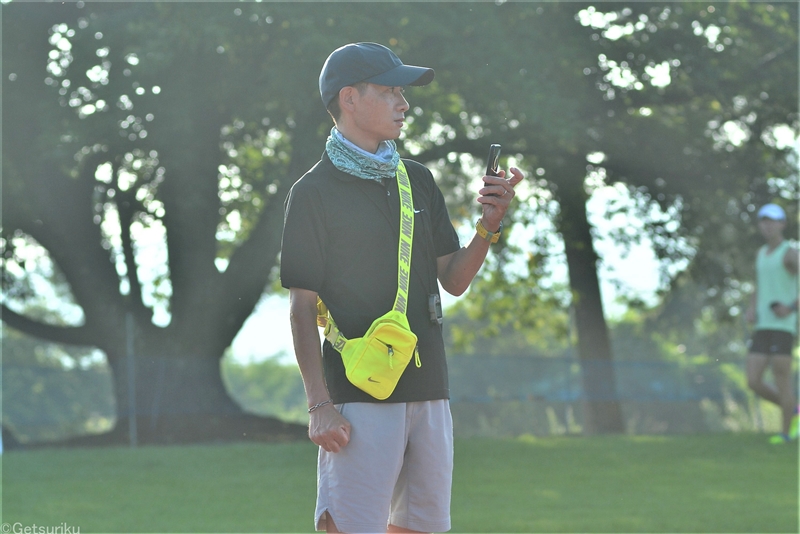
point(319, 405)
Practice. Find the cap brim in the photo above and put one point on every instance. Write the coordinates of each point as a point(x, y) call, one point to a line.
point(403, 75)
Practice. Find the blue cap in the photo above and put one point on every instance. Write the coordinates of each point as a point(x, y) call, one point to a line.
point(772, 211)
point(367, 62)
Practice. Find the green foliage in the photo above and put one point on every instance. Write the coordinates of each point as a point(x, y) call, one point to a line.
point(509, 312)
point(733, 70)
point(53, 391)
point(720, 483)
point(594, 89)
point(267, 387)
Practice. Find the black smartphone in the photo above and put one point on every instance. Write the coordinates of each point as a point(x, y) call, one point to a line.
point(493, 160)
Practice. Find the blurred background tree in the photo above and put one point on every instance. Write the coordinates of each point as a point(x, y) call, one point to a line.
point(647, 96)
point(148, 148)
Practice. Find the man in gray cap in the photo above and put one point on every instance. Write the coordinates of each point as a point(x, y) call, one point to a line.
point(384, 465)
point(773, 309)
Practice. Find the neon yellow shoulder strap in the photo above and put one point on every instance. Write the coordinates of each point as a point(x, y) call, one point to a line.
point(324, 318)
point(406, 239)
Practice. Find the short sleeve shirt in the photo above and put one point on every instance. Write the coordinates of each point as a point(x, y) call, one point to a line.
point(774, 283)
point(340, 240)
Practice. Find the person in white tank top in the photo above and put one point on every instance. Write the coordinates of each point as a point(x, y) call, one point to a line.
point(773, 311)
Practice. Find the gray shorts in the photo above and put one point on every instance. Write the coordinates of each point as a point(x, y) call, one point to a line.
point(397, 469)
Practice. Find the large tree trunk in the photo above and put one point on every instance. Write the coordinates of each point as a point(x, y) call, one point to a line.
point(165, 384)
point(602, 413)
point(180, 398)
point(177, 394)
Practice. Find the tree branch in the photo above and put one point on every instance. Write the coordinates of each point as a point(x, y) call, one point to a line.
point(250, 264)
point(73, 241)
point(127, 206)
point(70, 335)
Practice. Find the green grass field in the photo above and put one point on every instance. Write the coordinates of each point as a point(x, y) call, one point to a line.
point(708, 483)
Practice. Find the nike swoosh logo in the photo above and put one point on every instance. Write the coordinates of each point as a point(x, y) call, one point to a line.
point(369, 379)
point(419, 211)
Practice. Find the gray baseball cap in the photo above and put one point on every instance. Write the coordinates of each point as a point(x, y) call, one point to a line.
point(367, 62)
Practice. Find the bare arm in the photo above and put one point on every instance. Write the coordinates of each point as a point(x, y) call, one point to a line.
point(790, 260)
point(457, 270)
point(326, 427)
point(750, 314)
point(790, 263)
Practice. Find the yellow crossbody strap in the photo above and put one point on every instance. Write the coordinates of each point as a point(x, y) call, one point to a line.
point(406, 239)
point(324, 318)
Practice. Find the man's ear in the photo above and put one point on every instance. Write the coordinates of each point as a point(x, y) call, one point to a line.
point(347, 96)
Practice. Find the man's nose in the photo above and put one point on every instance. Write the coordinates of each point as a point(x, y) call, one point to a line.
point(403, 103)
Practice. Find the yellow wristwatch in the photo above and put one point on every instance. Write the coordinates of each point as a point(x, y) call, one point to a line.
point(486, 234)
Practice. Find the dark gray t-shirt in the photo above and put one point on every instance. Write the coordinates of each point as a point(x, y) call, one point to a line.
point(340, 240)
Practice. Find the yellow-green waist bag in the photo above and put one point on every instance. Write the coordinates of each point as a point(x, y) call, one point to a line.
point(375, 362)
